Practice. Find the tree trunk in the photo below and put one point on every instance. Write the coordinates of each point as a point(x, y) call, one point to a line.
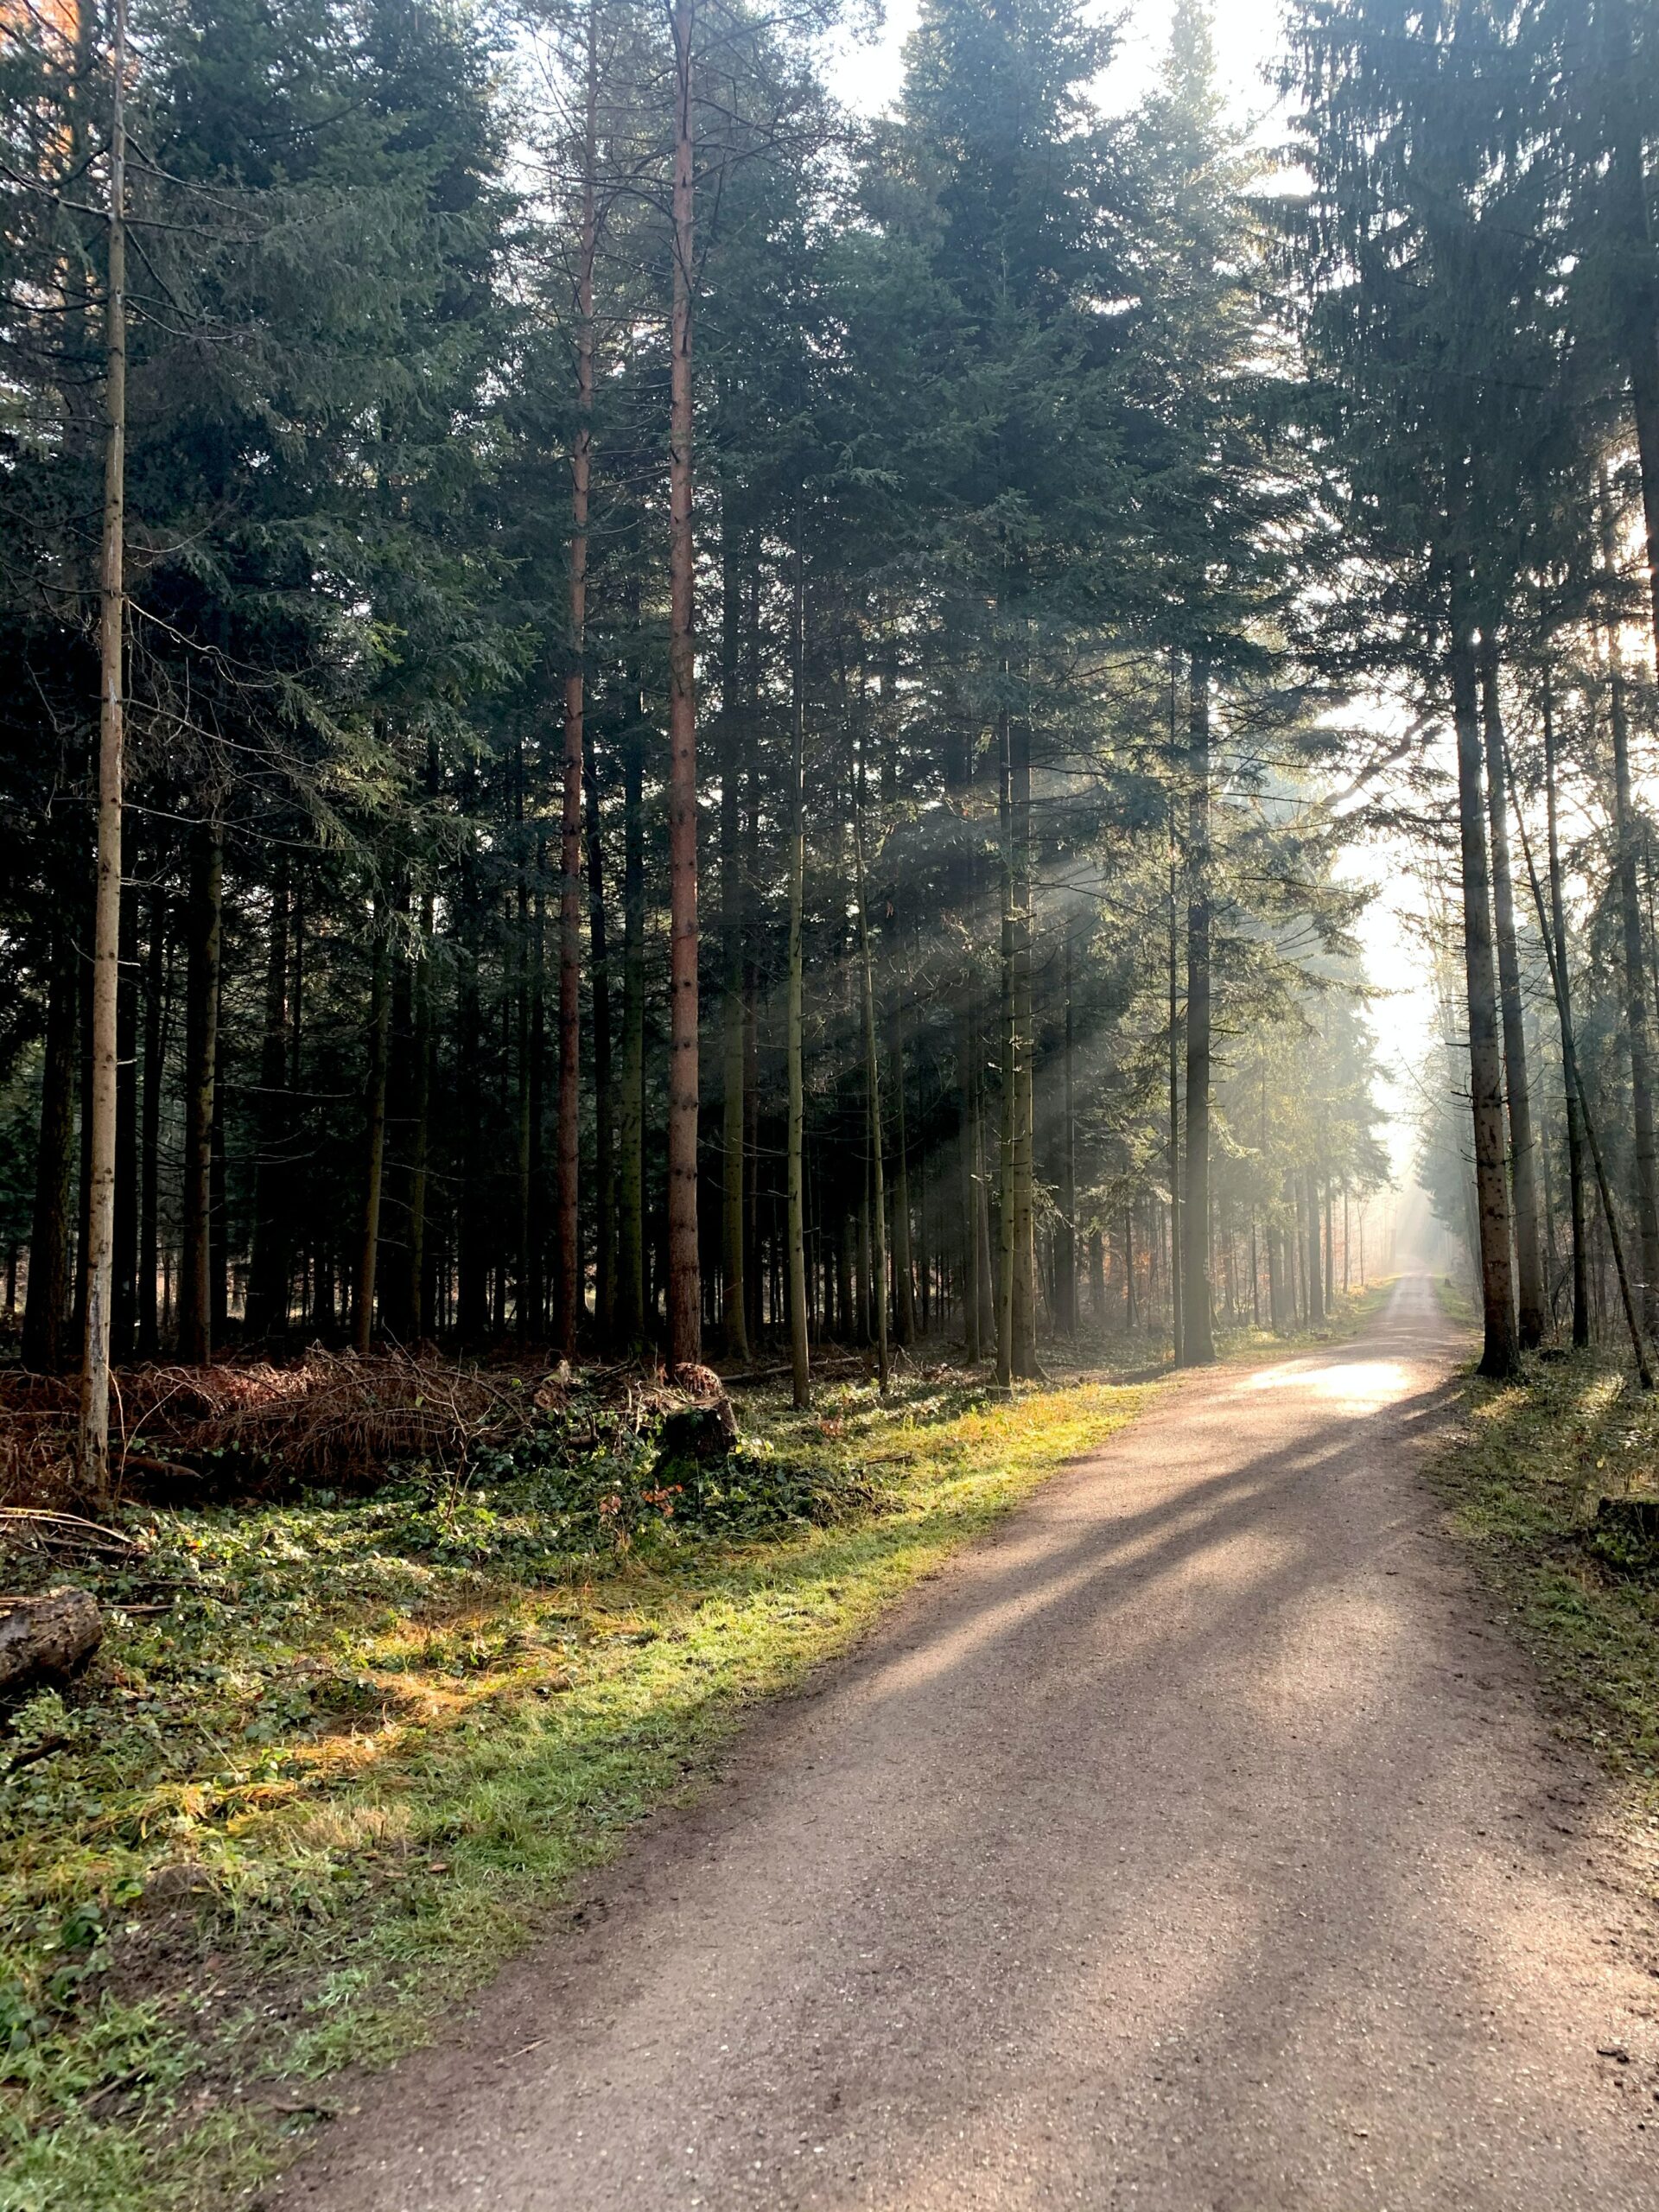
point(218, 1211)
point(631, 1110)
point(755, 1276)
point(1198, 1340)
point(1007, 1150)
point(795, 1190)
point(403, 1256)
point(567, 1152)
point(420, 1320)
point(1065, 1233)
point(395, 1295)
point(123, 1308)
point(522, 956)
point(472, 1258)
point(1501, 1350)
point(99, 1260)
point(201, 1066)
point(1637, 286)
point(267, 1318)
point(1024, 1275)
point(1575, 1079)
point(1637, 1026)
point(1172, 1142)
point(533, 1260)
point(149, 1139)
point(873, 1087)
point(374, 1147)
point(1312, 1270)
point(300, 1177)
point(733, 1292)
point(863, 1332)
point(46, 1308)
point(685, 1267)
point(1645, 388)
point(968, 1144)
point(755, 1269)
point(1532, 1298)
point(1564, 1013)
point(604, 1079)
point(904, 1259)
point(984, 1270)
point(1128, 1271)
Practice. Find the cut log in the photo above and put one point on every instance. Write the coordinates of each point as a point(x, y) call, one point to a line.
point(47, 1639)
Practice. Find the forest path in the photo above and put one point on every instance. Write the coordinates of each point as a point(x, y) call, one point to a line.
point(1196, 1842)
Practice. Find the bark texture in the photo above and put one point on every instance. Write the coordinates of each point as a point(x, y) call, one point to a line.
point(1197, 1336)
point(200, 1070)
point(685, 1268)
point(1532, 1303)
point(104, 1053)
point(47, 1639)
point(1500, 1348)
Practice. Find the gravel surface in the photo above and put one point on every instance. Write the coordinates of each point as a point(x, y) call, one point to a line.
point(1196, 1843)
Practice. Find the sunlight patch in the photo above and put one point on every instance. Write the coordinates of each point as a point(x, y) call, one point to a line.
point(1349, 1386)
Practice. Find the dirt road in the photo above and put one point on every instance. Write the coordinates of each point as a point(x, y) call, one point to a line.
point(1198, 1844)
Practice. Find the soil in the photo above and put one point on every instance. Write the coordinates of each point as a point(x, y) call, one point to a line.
point(1197, 1843)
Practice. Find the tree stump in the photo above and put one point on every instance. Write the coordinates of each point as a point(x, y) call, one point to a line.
point(695, 1437)
point(1625, 1532)
point(47, 1639)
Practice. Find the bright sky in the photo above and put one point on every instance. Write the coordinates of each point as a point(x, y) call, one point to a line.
point(1246, 34)
point(1247, 43)
point(1404, 1019)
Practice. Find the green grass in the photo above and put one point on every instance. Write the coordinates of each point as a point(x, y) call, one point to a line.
point(343, 1776)
point(1521, 1479)
point(1456, 1302)
point(1350, 1311)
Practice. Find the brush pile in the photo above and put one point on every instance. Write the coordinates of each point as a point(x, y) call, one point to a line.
point(249, 1428)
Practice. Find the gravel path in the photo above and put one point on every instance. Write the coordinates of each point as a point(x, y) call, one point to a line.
point(1197, 1843)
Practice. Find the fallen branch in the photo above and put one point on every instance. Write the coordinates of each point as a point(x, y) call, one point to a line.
point(67, 1521)
point(43, 1750)
point(140, 1463)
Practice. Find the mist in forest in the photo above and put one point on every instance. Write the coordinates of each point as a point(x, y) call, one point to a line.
point(721, 686)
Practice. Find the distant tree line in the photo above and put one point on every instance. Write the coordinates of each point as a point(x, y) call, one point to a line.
point(1477, 255)
point(724, 743)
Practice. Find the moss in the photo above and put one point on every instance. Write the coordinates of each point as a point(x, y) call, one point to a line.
point(343, 1774)
point(1521, 1479)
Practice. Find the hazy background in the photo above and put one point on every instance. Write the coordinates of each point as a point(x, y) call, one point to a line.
point(1249, 45)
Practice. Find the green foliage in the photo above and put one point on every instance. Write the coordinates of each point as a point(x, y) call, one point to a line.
point(289, 1820)
point(1523, 1480)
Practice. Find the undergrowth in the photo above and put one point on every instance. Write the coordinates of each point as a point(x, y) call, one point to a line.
point(1347, 1313)
point(1524, 1478)
point(337, 1757)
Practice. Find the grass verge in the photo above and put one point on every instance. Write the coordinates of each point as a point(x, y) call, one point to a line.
point(1457, 1301)
point(336, 1760)
point(1348, 1313)
point(1522, 1478)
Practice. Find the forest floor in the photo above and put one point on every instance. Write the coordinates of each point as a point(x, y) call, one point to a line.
point(1198, 1839)
point(339, 1755)
point(1552, 1484)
